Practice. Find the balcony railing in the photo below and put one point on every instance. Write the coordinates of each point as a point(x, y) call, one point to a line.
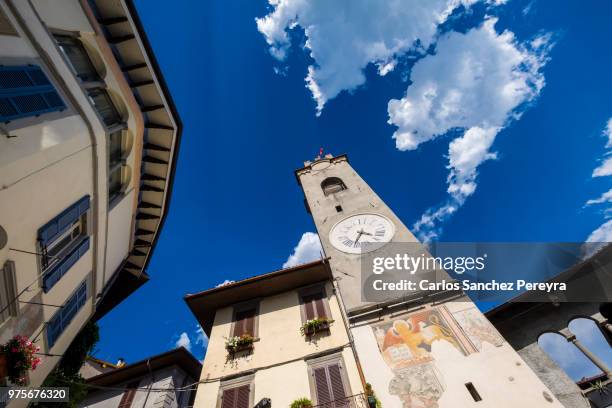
point(353, 401)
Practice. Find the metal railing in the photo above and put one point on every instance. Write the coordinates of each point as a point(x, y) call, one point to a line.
point(353, 401)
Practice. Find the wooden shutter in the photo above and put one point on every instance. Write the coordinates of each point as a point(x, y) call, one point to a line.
point(320, 306)
point(228, 399)
point(128, 395)
point(309, 307)
point(329, 385)
point(245, 322)
point(337, 384)
point(323, 391)
point(237, 397)
point(314, 305)
point(242, 396)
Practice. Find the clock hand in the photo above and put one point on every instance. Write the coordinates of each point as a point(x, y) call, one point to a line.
point(358, 236)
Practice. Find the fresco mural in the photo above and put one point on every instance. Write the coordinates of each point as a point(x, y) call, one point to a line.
point(405, 343)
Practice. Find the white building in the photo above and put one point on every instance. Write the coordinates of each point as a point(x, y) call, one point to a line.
point(88, 145)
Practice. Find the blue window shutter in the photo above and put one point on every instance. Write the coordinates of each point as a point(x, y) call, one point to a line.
point(26, 91)
point(48, 232)
point(62, 318)
point(51, 230)
point(55, 274)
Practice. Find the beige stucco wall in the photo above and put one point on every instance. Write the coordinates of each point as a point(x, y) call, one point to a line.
point(279, 357)
point(55, 160)
point(282, 384)
point(498, 373)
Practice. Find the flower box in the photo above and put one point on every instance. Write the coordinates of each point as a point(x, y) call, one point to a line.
point(17, 358)
point(237, 344)
point(316, 325)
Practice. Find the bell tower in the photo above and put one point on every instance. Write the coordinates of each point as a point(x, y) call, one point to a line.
point(335, 192)
point(414, 353)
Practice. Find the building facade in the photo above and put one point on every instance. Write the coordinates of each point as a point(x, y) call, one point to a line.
point(165, 380)
point(421, 351)
point(88, 144)
point(282, 363)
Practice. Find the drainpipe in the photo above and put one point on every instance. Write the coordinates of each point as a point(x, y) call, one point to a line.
point(94, 157)
point(348, 331)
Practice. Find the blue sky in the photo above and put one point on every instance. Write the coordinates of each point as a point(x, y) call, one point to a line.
point(522, 162)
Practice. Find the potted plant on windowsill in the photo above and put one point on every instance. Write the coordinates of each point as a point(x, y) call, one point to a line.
point(243, 342)
point(373, 401)
point(301, 403)
point(18, 358)
point(316, 325)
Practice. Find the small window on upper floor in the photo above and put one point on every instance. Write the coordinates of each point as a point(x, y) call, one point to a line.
point(314, 304)
point(79, 60)
point(104, 105)
point(118, 170)
point(332, 185)
point(245, 320)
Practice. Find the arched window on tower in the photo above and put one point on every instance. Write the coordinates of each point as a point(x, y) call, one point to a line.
point(332, 185)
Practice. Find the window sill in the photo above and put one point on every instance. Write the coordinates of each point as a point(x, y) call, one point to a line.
point(322, 328)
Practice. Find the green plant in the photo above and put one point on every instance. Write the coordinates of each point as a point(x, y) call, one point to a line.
point(66, 373)
point(19, 352)
point(237, 343)
point(312, 326)
point(600, 387)
point(371, 396)
point(301, 403)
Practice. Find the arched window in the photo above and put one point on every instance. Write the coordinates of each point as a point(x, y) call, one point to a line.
point(575, 364)
point(332, 185)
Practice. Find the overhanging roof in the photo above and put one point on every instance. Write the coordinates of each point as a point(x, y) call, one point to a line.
point(179, 357)
point(204, 304)
point(119, 23)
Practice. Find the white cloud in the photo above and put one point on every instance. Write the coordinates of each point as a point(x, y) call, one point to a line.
point(604, 198)
point(225, 282)
point(602, 234)
point(344, 36)
point(605, 169)
point(478, 82)
point(307, 250)
point(184, 341)
point(200, 336)
point(607, 132)
point(477, 79)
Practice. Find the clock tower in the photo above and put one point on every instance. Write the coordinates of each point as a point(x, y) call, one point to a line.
point(429, 353)
point(351, 220)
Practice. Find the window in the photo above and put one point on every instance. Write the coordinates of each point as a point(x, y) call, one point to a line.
point(26, 91)
point(62, 318)
point(77, 56)
point(314, 304)
point(103, 104)
point(328, 382)
point(128, 395)
point(473, 392)
point(116, 167)
point(8, 292)
point(245, 320)
point(332, 185)
point(115, 149)
point(236, 393)
point(63, 241)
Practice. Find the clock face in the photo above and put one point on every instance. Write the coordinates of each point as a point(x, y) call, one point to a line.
point(361, 233)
